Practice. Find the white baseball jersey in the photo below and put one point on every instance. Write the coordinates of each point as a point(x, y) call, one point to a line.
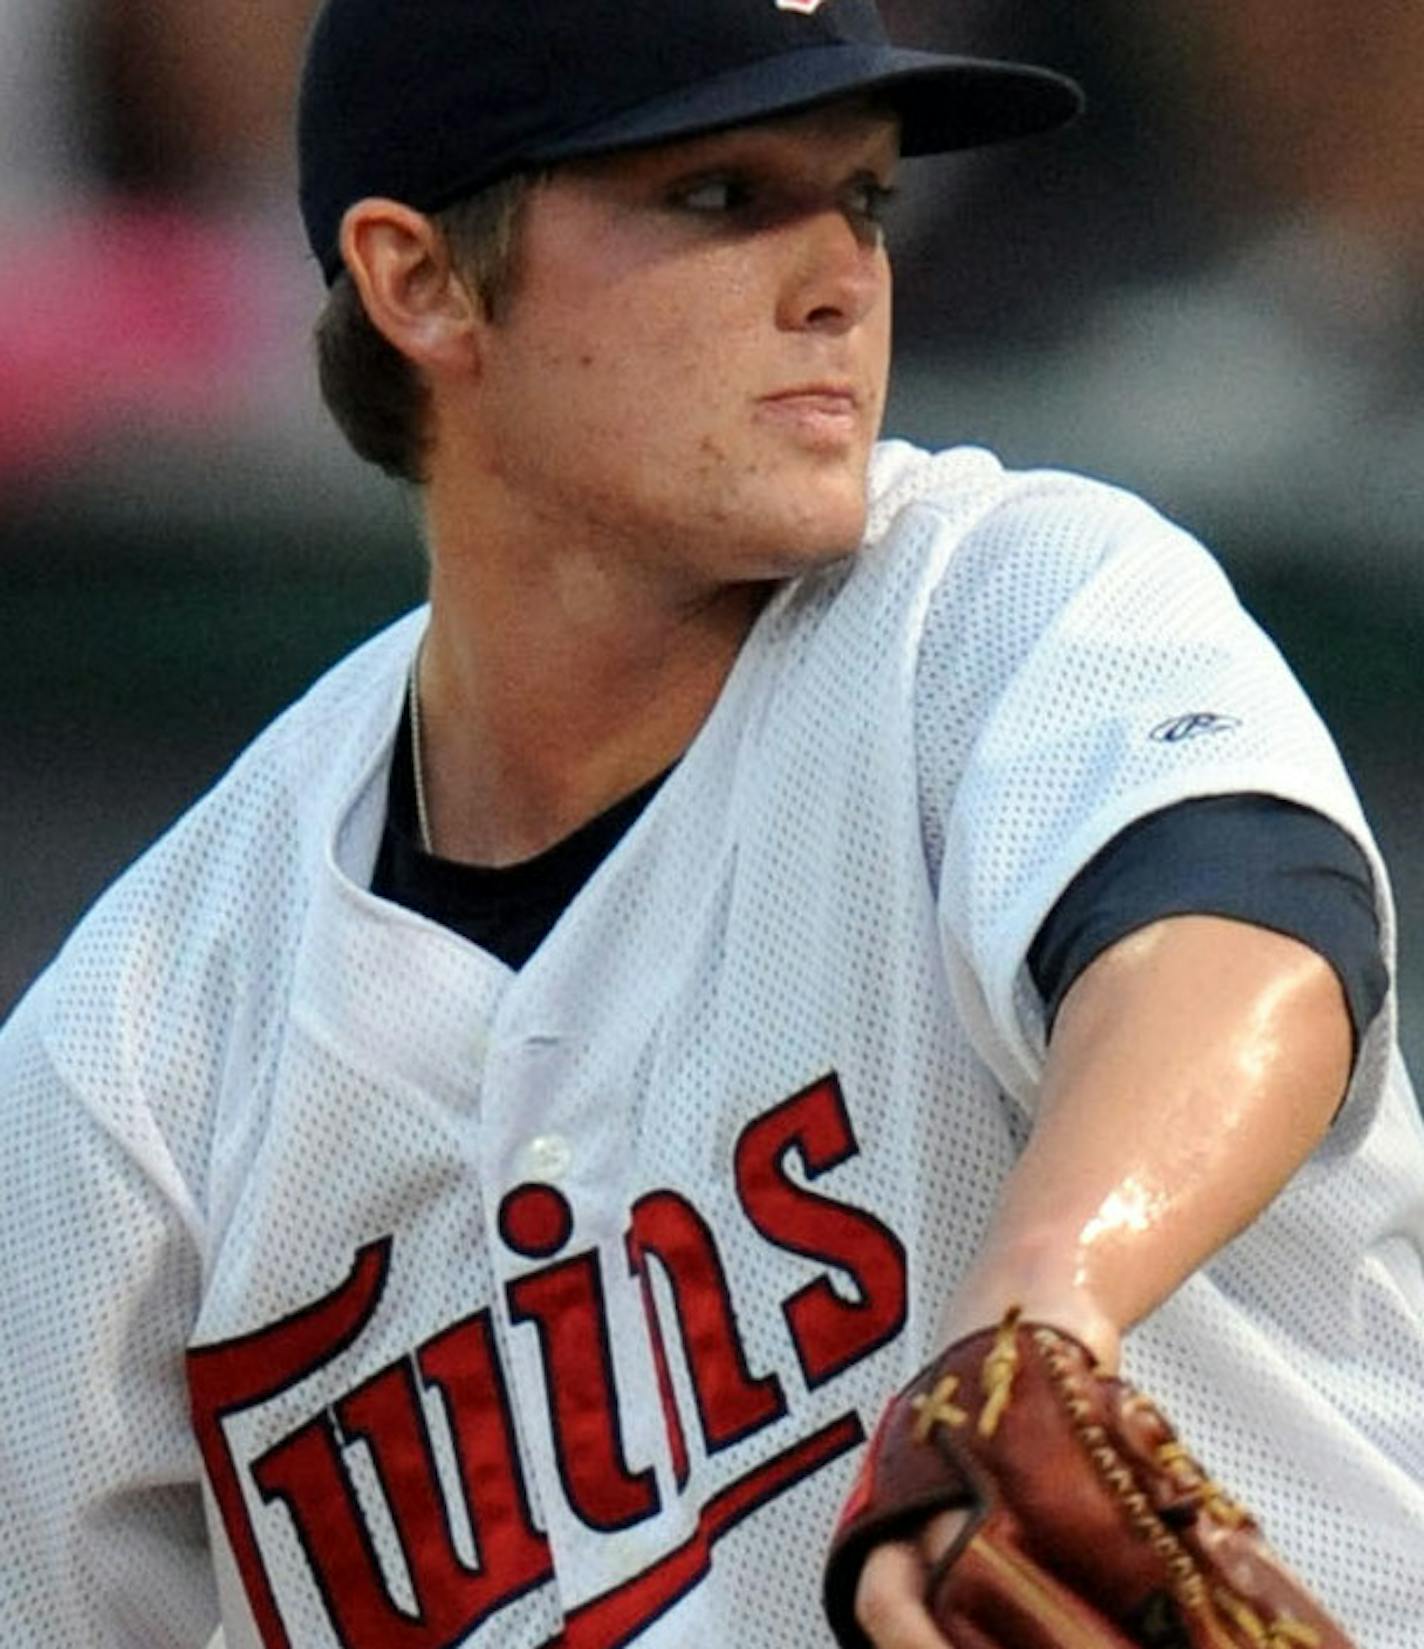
point(361, 1291)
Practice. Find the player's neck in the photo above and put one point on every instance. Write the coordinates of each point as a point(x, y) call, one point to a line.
point(552, 686)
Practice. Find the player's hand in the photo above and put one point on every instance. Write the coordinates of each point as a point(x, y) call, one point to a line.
point(890, 1597)
point(1057, 1506)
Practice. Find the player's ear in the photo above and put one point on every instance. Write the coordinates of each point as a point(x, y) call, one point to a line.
point(400, 262)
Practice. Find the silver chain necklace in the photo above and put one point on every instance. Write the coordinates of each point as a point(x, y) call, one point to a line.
point(417, 765)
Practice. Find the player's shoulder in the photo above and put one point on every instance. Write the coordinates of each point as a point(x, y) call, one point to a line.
point(270, 804)
point(960, 547)
point(970, 492)
point(993, 539)
point(203, 927)
point(268, 810)
point(334, 717)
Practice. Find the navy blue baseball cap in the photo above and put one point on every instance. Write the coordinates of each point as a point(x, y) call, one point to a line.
point(425, 101)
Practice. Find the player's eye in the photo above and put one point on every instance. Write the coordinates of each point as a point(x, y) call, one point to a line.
point(723, 193)
point(745, 199)
point(868, 201)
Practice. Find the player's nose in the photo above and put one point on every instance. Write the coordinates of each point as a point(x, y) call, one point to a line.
point(836, 273)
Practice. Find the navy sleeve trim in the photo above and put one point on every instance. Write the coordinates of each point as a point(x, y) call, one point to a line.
point(1252, 857)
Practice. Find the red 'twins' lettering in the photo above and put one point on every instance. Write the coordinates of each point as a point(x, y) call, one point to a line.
point(307, 1473)
point(829, 1332)
point(459, 1573)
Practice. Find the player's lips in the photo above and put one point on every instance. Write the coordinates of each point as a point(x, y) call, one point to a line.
point(821, 413)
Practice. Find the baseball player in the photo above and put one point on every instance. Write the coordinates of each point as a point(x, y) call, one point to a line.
point(789, 905)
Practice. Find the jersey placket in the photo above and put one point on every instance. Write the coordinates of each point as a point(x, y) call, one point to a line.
point(557, 1193)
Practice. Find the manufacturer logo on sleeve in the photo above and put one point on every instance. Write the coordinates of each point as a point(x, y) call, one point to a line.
point(1194, 725)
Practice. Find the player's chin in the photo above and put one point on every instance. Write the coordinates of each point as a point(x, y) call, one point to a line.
point(834, 502)
point(825, 531)
point(797, 511)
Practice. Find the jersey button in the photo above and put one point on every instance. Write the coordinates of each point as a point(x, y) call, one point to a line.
point(547, 1157)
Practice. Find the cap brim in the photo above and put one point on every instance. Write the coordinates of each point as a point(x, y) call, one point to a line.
point(944, 103)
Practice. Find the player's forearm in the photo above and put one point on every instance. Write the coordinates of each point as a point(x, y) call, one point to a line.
point(1193, 1068)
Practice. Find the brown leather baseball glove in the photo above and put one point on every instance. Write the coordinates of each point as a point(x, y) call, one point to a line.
point(1089, 1525)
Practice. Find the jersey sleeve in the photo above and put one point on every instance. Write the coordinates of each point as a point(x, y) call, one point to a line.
point(1097, 668)
point(1252, 858)
point(104, 1535)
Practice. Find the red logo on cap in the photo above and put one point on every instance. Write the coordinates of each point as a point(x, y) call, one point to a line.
point(805, 7)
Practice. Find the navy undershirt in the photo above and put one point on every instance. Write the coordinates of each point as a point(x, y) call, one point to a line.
point(1251, 857)
point(508, 911)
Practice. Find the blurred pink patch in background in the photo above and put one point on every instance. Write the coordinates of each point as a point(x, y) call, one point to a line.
point(122, 315)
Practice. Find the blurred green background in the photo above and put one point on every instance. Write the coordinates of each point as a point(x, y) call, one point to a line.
point(1210, 291)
